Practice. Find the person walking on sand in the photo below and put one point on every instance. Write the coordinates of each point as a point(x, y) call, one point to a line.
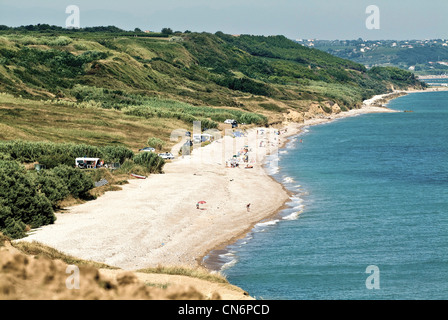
point(248, 207)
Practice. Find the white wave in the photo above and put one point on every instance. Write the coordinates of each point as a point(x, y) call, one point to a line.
point(288, 180)
point(267, 223)
point(273, 170)
point(295, 199)
point(230, 263)
point(292, 216)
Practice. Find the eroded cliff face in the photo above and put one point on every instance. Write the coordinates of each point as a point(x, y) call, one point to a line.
point(315, 110)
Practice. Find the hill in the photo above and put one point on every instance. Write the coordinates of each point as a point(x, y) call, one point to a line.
point(245, 76)
point(424, 57)
point(102, 92)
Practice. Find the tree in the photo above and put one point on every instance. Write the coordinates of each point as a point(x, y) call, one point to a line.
point(137, 30)
point(167, 31)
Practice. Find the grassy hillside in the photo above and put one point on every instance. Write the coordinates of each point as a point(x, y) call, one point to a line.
point(117, 70)
point(102, 92)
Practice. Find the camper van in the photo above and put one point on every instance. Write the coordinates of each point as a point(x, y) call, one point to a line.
point(87, 163)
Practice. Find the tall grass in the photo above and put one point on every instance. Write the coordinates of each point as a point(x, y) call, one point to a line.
point(188, 272)
point(28, 151)
point(38, 249)
point(209, 116)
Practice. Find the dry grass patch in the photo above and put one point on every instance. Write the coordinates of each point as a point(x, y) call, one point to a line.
point(198, 273)
point(40, 250)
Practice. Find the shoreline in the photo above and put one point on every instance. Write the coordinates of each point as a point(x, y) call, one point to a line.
point(376, 104)
point(155, 222)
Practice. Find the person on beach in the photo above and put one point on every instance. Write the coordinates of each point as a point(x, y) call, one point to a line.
point(248, 207)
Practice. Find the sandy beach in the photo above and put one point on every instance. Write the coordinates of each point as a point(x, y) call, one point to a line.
point(156, 221)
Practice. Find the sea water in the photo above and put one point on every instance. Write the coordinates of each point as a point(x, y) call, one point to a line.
point(369, 215)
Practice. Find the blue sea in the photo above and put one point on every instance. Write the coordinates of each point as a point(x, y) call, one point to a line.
point(369, 215)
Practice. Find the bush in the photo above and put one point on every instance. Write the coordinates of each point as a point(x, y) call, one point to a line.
point(156, 143)
point(129, 166)
point(54, 154)
point(78, 183)
point(116, 154)
point(8, 225)
point(21, 203)
point(60, 41)
point(52, 185)
point(151, 161)
point(52, 161)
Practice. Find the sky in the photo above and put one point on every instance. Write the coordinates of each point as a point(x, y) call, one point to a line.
point(295, 19)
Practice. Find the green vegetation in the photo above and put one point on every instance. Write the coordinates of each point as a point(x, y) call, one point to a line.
point(422, 56)
point(152, 77)
point(21, 202)
point(35, 120)
point(28, 151)
point(151, 161)
point(101, 92)
point(29, 197)
point(155, 143)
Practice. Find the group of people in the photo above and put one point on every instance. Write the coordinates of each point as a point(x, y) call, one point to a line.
point(242, 157)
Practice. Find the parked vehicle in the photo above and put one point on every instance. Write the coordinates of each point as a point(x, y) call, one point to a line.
point(166, 155)
point(147, 149)
point(229, 121)
point(88, 163)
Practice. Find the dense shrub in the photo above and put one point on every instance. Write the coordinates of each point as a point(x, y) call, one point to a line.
point(116, 154)
point(8, 225)
point(53, 154)
point(155, 143)
point(129, 166)
point(151, 161)
point(51, 161)
point(21, 203)
point(52, 185)
point(78, 183)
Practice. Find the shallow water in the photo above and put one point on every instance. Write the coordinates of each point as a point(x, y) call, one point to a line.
point(369, 191)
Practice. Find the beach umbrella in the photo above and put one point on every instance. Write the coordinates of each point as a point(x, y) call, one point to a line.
point(202, 202)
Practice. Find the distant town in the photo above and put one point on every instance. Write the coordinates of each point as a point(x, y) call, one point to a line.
point(424, 57)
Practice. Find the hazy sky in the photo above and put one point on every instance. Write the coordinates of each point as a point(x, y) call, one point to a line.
point(321, 19)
